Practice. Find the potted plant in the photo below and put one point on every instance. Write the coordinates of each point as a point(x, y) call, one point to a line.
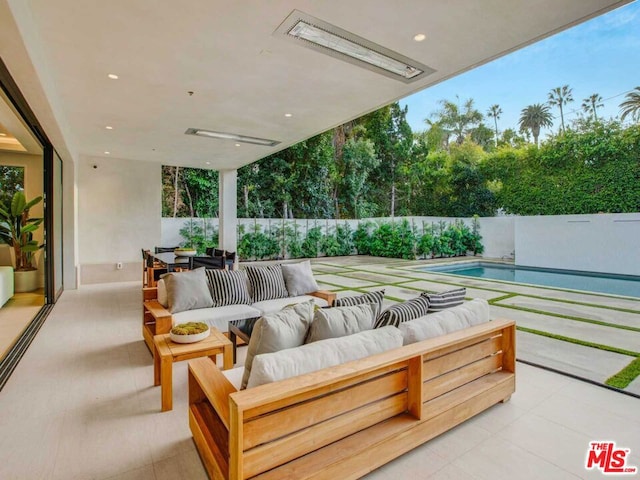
point(16, 229)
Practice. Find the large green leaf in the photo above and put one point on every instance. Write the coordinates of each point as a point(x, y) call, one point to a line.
point(29, 228)
point(32, 203)
point(17, 204)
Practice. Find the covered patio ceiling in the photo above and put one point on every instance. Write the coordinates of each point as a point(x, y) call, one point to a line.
point(243, 75)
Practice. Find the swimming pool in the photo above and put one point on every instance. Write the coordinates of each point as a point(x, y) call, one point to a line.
point(591, 282)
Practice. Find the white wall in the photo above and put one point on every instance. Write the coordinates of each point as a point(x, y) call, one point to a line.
point(498, 236)
point(119, 211)
point(608, 243)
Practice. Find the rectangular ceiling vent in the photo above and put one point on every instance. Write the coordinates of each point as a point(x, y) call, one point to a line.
point(333, 41)
point(234, 137)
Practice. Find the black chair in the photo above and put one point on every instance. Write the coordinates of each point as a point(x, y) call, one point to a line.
point(164, 249)
point(207, 262)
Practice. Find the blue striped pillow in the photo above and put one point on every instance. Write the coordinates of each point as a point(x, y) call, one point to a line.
point(403, 312)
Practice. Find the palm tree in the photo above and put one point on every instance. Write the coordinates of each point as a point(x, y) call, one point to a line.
point(560, 96)
point(535, 117)
point(495, 111)
point(459, 120)
point(631, 106)
point(591, 104)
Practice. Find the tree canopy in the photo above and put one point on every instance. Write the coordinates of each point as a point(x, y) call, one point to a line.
point(375, 166)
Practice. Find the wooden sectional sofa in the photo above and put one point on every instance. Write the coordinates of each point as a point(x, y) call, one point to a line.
point(345, 421)
point(157, 319)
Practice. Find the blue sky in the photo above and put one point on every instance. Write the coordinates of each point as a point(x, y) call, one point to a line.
point(599, 56)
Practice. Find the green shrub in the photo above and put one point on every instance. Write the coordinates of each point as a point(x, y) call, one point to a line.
point(310, 246)
point(199, 235)
point(362, 238)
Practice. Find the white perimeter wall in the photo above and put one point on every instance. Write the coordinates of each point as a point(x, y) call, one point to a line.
point(608, 243)
point(119, 211)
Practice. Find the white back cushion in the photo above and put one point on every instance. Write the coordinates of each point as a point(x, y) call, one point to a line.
point(271, 367)
point(433, 325)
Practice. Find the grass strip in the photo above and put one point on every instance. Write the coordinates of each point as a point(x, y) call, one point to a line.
point(579, 342)
point(624, 377)
point(570, 317)
point(504, 297)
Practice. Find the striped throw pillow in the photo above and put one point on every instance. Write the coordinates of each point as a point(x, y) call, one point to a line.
point(441, 301)
point(403, 312)
point(228, 287)
point(267, 283)
point(373, 298)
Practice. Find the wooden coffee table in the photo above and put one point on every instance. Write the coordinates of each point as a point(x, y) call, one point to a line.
point(166, 352)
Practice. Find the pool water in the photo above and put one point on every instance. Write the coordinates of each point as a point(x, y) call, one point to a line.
point(592, 282)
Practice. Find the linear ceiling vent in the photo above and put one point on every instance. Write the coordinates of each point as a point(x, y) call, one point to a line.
point(336, 42)
point(232, 136)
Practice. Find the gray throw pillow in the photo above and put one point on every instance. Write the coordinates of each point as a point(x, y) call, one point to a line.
point(278, 331)
point(187, 290)
point(339, 322)
point(298, 278)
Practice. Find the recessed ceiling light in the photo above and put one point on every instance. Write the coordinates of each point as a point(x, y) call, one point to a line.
point(331, 40)
point(208, 163)
point(232, 136)
point(107, 153)
point(109, 127)
point(419, 37)
point(288, 115)
point(113, 76)
point(237, 144)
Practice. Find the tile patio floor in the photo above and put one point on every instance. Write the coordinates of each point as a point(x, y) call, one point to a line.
point(81, 404)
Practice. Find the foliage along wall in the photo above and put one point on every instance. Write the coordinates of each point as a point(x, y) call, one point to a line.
point(402, 238)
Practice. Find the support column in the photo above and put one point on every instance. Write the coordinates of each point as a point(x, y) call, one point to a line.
point(228, 213)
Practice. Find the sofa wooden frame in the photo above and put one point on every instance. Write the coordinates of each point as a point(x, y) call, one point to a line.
point(345, 421)
point(157, 320)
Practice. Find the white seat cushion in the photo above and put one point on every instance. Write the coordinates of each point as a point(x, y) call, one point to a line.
point(433, 325)
point(234, 376)
point(218, 317)
point(270, 306)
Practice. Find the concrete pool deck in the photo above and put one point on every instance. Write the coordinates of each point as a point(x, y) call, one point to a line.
point(602, 319)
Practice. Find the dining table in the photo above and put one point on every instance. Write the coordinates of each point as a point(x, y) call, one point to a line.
point(172, 261)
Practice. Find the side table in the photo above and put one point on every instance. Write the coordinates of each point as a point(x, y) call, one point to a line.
point(166, 352)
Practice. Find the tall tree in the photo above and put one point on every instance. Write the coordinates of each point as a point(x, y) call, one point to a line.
point(460, 120)
point(591, 104)
point(631, 106)
point(559, 97)
point(494, 112)
point(533, 118)
point(392, 139)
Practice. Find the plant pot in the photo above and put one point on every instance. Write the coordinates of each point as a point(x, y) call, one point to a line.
point(25, 281)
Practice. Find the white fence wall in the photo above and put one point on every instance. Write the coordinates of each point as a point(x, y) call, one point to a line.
point(607, 243)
